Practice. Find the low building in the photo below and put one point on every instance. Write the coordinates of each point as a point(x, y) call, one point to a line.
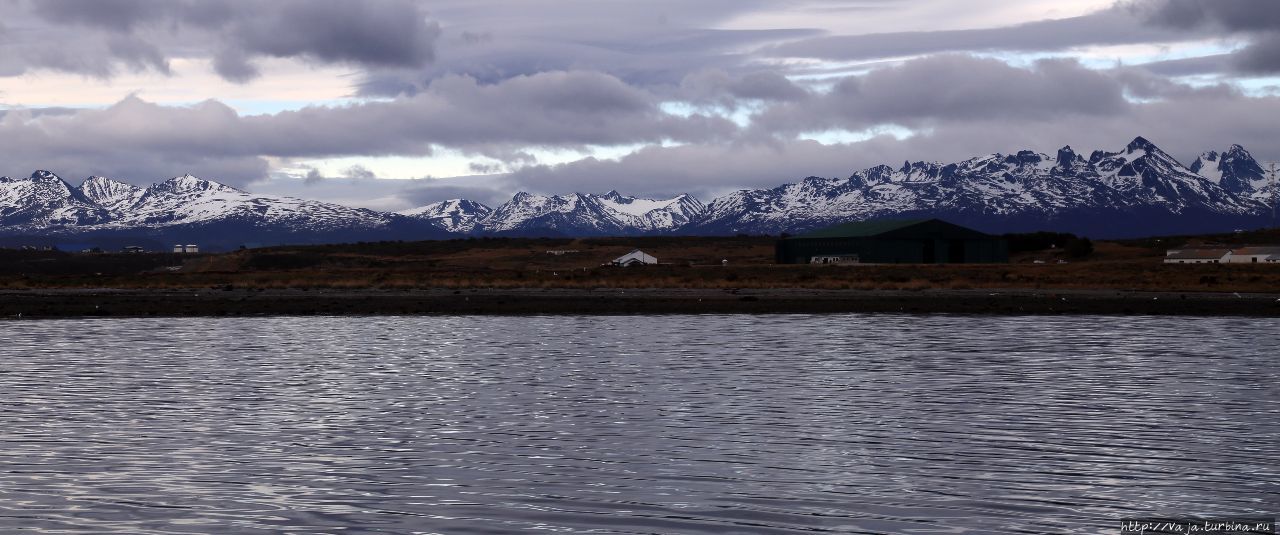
point(1254, 255)
point(1269, 254)
point(634, 258)
point(915, 241)
point(1196, 256)
point(186, 248)
point(133, 249)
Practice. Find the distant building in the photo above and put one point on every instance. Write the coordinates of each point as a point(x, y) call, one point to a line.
point(1196, 256)
point(561, 252)
point(134, 249)
point(186, 248)
point(1255, 255)
point(1220, 255)
point(917, 241)
point(634, 258)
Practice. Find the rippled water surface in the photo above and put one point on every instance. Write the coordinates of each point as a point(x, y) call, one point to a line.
point(659, 424)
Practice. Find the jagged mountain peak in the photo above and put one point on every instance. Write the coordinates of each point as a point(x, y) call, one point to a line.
point(452, 215)
point(49, 179)
point(1068, 160)
point(590, 214)
point(1134, 190)
point(110, 193)
point(190, 184)
point(1140, 144)
point(446, 206)
point(1238, 172)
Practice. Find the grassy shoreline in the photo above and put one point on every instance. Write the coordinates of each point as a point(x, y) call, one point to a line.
point(518, 276)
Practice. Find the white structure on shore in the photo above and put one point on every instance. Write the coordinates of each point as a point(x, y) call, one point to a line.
point(1239, 255)
point(1255, 255)
point(186, 248)
point(634, 258)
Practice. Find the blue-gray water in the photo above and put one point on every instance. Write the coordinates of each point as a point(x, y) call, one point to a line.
point(659, 424)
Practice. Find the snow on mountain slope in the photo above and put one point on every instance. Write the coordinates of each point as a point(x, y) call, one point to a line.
point(611, 213)
point(188, 200)
point(991, 188)
point(1236, 171)
point(1140, 186)
point(453, 215)
point(1206, 165)
point(112, 195)
point(44, 200)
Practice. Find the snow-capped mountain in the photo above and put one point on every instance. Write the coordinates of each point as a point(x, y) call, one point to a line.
point(454, 215)
point(1236, 171)
point(185, 208)
point(1137, 190)
point(588, 214)
point(112, 195)
point(1139, 184)
point(188, 200)
point(44, 201)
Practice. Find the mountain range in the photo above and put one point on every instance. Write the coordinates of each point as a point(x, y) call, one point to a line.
point(1135, 191)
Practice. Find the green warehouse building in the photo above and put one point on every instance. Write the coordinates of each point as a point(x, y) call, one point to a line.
point(917, 241)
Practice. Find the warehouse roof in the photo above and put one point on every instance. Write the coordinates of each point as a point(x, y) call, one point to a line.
point(1196, 254)
point(878, 227)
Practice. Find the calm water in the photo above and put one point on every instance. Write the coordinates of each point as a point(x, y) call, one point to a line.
point(668, 424)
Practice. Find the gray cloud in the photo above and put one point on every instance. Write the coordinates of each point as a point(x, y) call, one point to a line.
point(135, 139)
point(924, 92)
point(501, 79)
point(386, 194)
point(359, 172)
point(706, 171)
point(1233, 15)
point(1111, 27)
point(1257, 20)
point(719, 87)
point(1260, 57)
point(645, 57)
point(144, 34)
point(1211, 64)
point(1142, 83)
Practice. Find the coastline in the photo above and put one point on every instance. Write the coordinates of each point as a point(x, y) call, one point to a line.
point(231, 301)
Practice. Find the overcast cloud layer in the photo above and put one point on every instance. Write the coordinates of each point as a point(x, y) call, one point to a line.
point(700, 99)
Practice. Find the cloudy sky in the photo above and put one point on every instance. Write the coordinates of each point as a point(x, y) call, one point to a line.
point(390, 104)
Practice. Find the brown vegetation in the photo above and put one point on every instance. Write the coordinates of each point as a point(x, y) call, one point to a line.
point(687, 262)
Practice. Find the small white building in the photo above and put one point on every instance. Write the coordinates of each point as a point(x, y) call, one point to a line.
point(186, 248)
point(634, 258)
point(1196, 256)
point(835, 259)
point(1255, 255)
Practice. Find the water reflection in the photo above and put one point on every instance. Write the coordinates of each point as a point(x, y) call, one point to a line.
point(664, 424)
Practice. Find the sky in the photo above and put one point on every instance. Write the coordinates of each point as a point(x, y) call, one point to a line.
point(392, 104)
